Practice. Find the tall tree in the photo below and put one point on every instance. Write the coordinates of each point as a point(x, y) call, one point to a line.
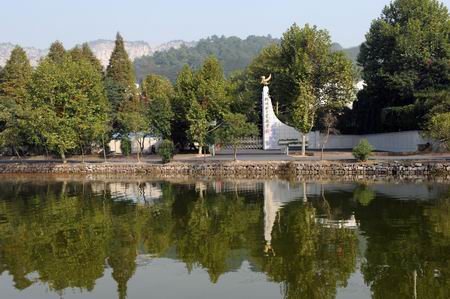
point(158, 92)
point(198, 125)
point(209, 93)
point(89, 55)
point(14, 81)
point(132, 119)
point(406, 61)
point(309, 76)
point(184, 95)
point(57, 52)
point(16, 75)
point(69, 105)
point(211, 89)
point(120, 79)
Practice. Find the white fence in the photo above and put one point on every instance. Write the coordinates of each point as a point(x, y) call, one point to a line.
point(247, 143)
point(393, 142)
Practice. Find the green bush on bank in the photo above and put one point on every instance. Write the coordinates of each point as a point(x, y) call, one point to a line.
point(362, 150)
point(125, 145)
point(166, 150)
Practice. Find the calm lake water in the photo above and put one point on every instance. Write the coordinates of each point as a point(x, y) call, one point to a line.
point(63, 237)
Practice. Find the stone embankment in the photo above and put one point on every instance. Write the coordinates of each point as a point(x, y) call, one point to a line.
point(239, 169)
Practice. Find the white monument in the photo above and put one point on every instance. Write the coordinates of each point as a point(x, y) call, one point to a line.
point(274, 130)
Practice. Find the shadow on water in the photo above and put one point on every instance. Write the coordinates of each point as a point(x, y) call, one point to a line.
point(307, 239)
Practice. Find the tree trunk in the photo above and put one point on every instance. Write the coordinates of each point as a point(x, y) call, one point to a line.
point(303, 144)
point(199, 149)
point(104, 147)
point(63, 156)
point(139, 149)
point(82, 153)
point(324, 142)
point(235, 153)
point(16, 152)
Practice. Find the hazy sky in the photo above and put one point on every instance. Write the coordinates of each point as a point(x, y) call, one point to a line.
point(39, 22)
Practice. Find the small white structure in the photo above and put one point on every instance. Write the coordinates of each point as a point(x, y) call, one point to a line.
point(149, 141)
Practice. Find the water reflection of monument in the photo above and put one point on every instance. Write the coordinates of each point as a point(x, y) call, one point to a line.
point(278, 193)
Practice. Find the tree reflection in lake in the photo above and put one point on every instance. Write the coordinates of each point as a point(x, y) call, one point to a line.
point(303, 235)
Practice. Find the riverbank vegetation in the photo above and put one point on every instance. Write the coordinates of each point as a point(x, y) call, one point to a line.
point(69, 104)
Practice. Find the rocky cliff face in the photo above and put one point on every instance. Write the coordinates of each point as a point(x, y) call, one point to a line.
point(101, 48)
point(33, 54)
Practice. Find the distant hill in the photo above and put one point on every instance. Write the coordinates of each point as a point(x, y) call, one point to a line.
point(34, 54)
point(352, 52)
point(102, 49)
point(233, 52)
point(167, 59)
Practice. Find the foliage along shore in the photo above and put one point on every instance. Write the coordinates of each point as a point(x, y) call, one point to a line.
point(239, 169)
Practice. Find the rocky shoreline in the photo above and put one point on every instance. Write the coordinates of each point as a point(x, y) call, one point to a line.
point(239, 169)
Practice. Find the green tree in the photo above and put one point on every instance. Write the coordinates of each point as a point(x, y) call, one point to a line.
point(16, 75)
point(208, 92)
point(69, 105)
point(14, 80)
point(304, 112)
point(184, 95)
point(56, 52)
point(234, 128)
point(312, 76)
point(439, 128)
point(158, 92)
point(89, 55)
point(405, 61)
point(133, 120)
point(120, 79)
point(211, 89)
point(198, 125)
point(308, 77)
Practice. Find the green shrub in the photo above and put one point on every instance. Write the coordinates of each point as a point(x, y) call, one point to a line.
point(362, 150)
point(166, 150)
point(125, 145)
point(439, 129)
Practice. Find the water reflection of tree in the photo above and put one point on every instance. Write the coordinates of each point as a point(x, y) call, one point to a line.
point(408, 250)
point(62, 238)
point(67, 234)
point(213, 227)
point(309, 260)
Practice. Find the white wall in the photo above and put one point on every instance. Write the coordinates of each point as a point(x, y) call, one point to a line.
point(114, 145)
point(393, 142)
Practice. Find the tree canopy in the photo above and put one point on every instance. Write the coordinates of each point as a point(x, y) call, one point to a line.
point(405, 61)
point(120, 78)
point(69, 106)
